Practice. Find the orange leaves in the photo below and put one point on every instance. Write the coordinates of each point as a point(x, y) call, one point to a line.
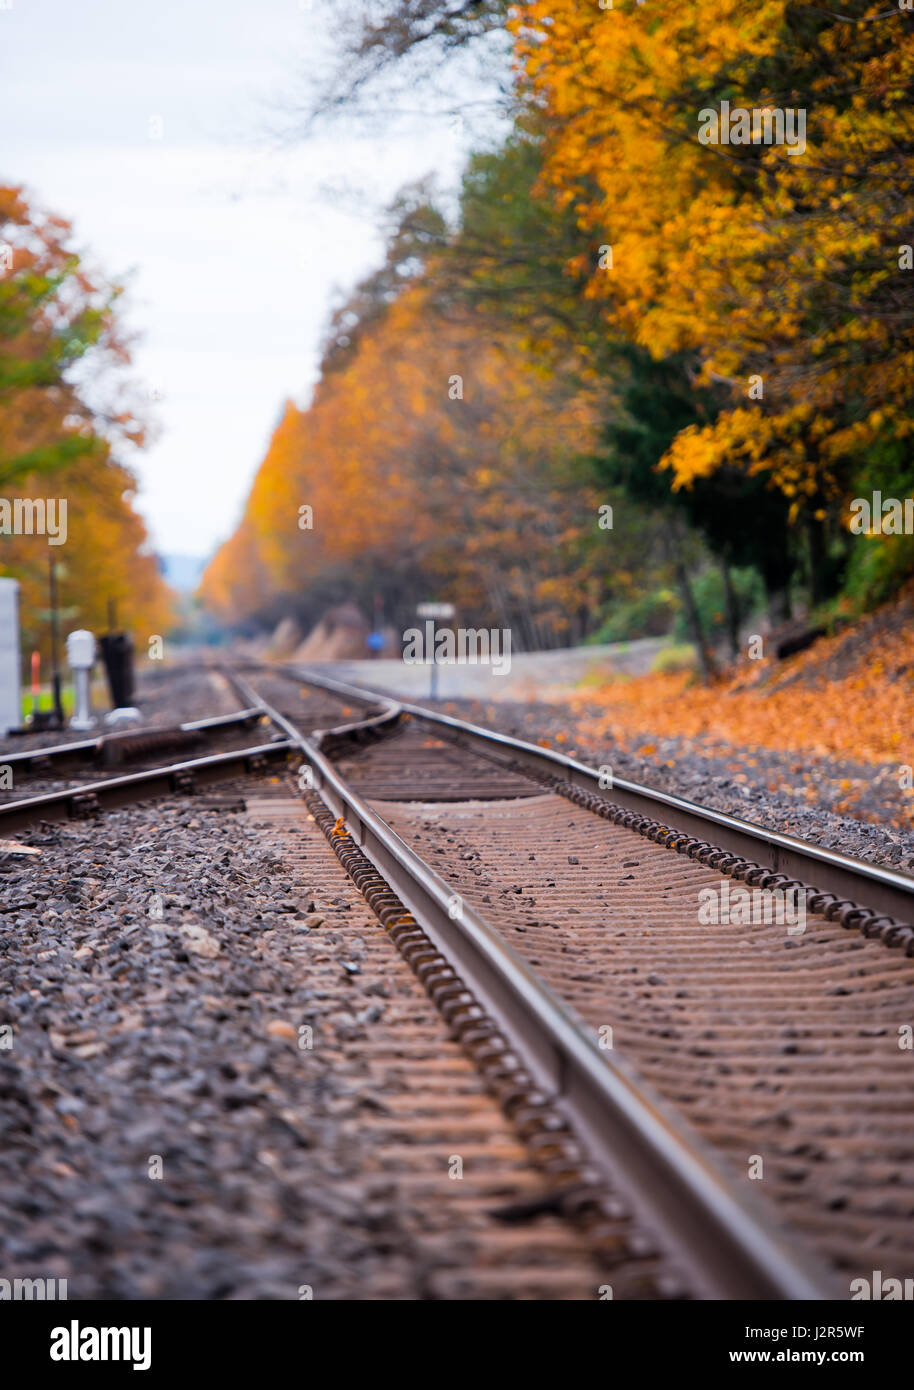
point(106, 557)
point(475, 491)
point(55, 443)
point(865, 712)
point(784, 263)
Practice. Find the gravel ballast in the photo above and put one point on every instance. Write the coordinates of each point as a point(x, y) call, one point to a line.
point(166, 1132)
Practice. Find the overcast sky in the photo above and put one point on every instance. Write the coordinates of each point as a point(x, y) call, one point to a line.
point(154, 127)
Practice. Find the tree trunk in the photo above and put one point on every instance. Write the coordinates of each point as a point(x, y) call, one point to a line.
point(694, 622)
point(732, 609)
point(818, 577)
point(778, 606)
point(674, 550)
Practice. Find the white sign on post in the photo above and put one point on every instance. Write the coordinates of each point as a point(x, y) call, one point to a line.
point(433, 612)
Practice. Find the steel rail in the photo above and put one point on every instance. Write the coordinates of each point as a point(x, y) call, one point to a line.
point(74, 803)
point(31, 760)
point(730, 1244)
point(883, 890)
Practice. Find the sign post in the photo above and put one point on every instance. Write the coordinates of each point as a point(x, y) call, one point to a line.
point(10, 695)
point(430, 612)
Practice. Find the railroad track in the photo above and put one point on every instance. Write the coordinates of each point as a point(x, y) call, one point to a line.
point(785, 1051)
point(63, 779)
point(747, 1130)
point(766, 1053)
point(118, 749)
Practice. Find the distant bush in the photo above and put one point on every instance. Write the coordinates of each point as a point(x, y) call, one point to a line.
point(649, 615)
point(710, 599)
point(877, 568)
point(679, 657)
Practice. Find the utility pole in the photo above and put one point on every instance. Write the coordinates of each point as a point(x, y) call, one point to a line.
point(55, 642)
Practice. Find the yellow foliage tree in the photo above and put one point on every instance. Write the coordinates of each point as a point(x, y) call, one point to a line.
point(431, 457)
point(783, 264)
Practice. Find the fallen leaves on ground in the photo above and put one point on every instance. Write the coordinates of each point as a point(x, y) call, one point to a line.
point(865, 715)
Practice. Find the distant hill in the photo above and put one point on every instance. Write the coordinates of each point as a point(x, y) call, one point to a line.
point(183, 572)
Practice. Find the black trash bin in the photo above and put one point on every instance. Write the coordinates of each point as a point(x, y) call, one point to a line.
point(117, 654)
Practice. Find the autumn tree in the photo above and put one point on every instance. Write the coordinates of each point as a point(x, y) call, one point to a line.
point(64, 409)
point(431, 461)
point(54, 318)
point(781, 269)
point(526, 261)
point(416, 230)
point(717, 329)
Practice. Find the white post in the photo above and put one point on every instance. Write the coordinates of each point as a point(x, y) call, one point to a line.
point(10, 688)
point(81, 656)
